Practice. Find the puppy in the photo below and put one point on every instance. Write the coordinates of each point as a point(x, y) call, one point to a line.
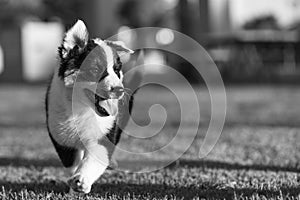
point(83, 105)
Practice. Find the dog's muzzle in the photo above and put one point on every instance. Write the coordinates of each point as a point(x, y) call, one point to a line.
point(116, 92)
point(105, 105)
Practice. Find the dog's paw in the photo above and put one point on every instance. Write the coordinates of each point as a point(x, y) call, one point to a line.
point(113, 164)
point(78, 184)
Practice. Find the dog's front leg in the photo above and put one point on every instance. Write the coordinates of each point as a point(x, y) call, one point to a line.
point(92, 166)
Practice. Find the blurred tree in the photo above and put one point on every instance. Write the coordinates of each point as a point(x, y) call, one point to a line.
point(140, 13)
point(263, 22)
point(12, 12)
point(129, 13)
point(66, 10)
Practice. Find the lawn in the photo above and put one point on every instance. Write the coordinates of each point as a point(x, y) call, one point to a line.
point(256, 157)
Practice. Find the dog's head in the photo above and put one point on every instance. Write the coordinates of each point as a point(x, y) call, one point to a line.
point(93, 61)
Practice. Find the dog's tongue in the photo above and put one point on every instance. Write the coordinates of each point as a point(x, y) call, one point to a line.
point(111, 106)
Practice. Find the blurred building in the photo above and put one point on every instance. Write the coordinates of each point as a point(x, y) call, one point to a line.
point(221, 26)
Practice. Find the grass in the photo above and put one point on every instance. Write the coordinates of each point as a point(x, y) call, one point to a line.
point(256, 157)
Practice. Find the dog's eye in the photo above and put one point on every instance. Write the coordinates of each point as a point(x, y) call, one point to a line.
point(103, 75)
point(117, 71)
point(118, 67)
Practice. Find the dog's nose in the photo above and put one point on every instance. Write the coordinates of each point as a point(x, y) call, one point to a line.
point(117, 90)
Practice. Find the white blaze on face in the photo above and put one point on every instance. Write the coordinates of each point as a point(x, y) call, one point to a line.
point(112, 80)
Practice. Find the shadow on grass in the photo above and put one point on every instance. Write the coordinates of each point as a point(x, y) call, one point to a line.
point(206, 190)
point(21, 162)
point(207, 164)
point(51, 186)
point(232, 166)
point(121, 190)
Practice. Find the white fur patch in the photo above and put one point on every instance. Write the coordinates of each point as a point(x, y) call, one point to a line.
point(73, 121)
point(108, 52)
point(112, 80)
point(77, 34)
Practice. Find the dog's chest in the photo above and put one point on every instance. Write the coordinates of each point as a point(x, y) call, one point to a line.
point(73, 127)
point(79, 128)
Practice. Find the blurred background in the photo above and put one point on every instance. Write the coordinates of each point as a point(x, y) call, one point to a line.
point(251, 41)
point(255, 45)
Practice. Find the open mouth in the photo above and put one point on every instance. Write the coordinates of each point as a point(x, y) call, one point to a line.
point(96, 99)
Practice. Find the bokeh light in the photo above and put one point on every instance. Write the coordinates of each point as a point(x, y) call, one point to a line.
point(164, 36)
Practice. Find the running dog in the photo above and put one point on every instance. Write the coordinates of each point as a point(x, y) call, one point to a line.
point(83, 105)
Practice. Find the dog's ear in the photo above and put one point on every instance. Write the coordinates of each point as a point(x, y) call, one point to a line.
point(76, 36)
point(119, 46)
point(74, 43)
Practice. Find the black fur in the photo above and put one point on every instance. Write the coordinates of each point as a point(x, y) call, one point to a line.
point(113, 135)
point(104, 75)
point(74, 58)
point(66, 154)
point(118, 66)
